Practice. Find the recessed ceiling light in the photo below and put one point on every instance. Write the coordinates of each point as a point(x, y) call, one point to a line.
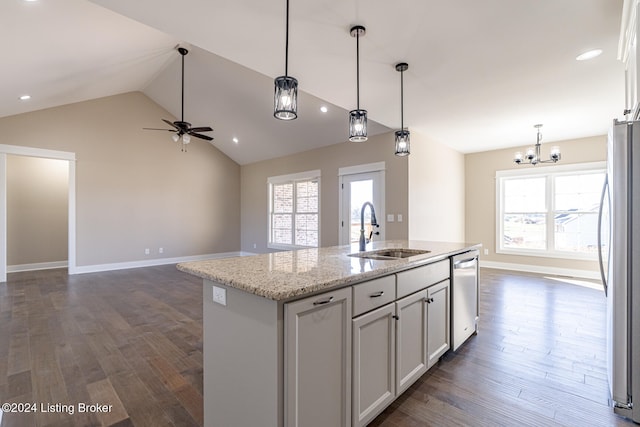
point(25, 97)
point(589, 55)
point(324, 109)
point(235, 139)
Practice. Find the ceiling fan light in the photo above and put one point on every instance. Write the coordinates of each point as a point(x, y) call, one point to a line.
point(358, 125)
point(186, 138)
point(285, 98)
point(403, 143)
point(175, 137)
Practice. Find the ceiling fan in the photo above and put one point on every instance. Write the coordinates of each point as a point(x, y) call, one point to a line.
point(182, 130)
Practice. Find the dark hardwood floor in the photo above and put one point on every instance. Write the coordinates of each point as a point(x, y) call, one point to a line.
point(132, 339)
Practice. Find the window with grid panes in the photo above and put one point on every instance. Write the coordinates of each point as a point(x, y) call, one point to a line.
point(294, 210)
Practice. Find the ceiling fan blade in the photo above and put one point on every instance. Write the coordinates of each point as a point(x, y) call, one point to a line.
point(170, 124)
point(168, 130)
point(201, 129)
point(197, 135)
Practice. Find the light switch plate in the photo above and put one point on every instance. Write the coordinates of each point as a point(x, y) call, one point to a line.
point(220, 295)
point(399, 217)
point(390, 218)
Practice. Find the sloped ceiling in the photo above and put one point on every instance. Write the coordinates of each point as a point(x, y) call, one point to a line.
point(481, 74)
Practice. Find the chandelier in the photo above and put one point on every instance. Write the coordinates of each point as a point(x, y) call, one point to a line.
point(532, 155)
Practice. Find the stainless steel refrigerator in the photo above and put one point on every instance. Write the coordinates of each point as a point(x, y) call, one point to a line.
point(620, 266)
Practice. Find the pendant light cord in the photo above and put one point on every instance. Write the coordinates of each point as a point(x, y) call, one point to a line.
point(286, 45)
point(357, 69)
point(402, 101)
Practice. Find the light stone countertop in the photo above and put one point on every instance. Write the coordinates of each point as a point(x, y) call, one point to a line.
point(286, 275)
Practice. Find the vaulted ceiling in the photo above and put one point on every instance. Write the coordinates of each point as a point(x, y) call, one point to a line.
point(481, 74)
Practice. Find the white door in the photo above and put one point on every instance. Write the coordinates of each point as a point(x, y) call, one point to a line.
point(357, 189)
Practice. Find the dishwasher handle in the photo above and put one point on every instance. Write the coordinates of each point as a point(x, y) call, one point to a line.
point(465, 263)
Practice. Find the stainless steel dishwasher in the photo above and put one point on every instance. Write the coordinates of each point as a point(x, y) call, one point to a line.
point(464, 294)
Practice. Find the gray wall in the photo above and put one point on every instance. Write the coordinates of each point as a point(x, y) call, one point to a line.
point(37, 210)
point(134, 188)
point(328, 159)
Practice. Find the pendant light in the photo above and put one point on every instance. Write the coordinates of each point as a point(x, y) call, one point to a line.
point(403, 143)
point(285, 101)
point(357, 117)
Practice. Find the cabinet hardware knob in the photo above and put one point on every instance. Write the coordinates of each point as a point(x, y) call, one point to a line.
point(377, 294)
point(428, 300)
point(323, 301)
point(395, 317)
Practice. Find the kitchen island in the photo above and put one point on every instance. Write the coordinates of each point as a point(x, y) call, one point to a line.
point(291, 338)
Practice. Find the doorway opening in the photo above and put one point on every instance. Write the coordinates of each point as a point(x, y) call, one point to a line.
point(12, 150)
point(37, 217)
point(360, 184)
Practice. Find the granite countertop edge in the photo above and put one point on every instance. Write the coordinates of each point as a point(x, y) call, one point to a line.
point(287, 275)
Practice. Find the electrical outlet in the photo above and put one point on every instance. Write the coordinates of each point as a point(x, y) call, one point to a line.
point(390, 218)
point(160, 250)
point(146, 251)
point(255, 246)
point(399, 217)
point(220, 295)
point(486, 251)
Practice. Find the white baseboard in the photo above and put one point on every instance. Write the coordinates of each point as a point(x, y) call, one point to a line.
point(36, 266)
point(82, 269)
point(554, 271)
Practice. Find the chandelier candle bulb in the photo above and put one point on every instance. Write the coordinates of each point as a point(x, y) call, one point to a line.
point(531, 154)
point(517, 157)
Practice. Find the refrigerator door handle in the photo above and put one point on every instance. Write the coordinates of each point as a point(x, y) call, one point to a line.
point(602, 196)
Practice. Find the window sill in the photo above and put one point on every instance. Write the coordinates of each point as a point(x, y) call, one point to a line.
point(549, 254)
point(282, 247)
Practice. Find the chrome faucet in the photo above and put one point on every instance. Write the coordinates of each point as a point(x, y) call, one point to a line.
point(374, 223)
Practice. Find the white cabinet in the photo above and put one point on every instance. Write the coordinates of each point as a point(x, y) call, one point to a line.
point(423, 332)
point(628, 51)
point(317, 360)
point(374, 340)
point(351, 352)
point(438, 321)
point(411, 340)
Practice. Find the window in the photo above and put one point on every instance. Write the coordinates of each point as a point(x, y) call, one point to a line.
point(549, 211)
point(294, 210)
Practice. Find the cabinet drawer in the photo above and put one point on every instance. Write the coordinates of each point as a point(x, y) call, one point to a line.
point(413, 280)
point(374, 293)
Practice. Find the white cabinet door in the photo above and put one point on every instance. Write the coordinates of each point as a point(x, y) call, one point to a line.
point(374, 338)
point(438, 319)
point(317, 360)
point(411, 339)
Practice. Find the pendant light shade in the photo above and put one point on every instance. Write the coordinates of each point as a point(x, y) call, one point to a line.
point(357, 117)
point(403, 142)
point(358, 125)
point(285, 100)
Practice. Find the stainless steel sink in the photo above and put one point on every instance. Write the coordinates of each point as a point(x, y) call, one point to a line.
point(389, 254)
